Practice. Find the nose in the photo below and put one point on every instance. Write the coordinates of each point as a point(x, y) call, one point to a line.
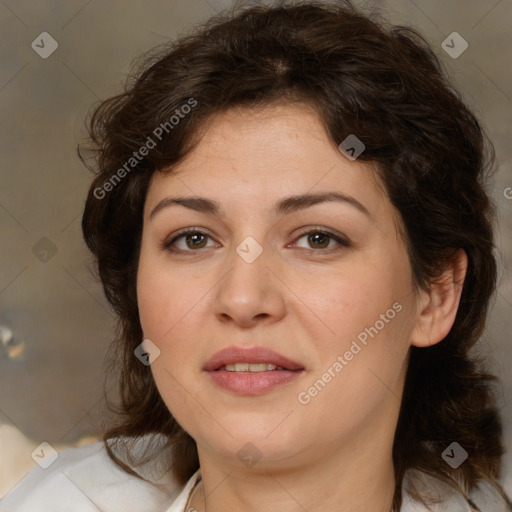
point(250, 293)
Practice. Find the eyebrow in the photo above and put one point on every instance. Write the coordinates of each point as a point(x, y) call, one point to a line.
point(284, 206)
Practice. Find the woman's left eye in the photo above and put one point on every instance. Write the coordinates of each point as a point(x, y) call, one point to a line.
point(193, 239)
point(320, 239)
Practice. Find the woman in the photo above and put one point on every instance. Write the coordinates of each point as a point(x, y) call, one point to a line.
point(290, 221)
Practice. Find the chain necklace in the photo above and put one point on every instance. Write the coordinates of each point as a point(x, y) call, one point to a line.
point(191, 495)
point(188, 508)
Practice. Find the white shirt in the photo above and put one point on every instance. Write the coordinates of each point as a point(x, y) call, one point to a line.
point(85, 479)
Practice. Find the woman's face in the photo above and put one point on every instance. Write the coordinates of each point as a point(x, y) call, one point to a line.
point(260, 273)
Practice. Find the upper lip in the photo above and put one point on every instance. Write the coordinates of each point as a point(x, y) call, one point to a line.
point(232, 355)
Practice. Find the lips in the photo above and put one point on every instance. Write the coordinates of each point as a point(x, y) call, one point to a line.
point(256, 355)
point(251, 371)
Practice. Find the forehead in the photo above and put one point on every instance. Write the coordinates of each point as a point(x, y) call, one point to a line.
point(259, 155)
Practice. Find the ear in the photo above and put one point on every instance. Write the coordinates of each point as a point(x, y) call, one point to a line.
point(438, 306)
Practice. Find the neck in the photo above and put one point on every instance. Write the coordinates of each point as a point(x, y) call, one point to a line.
point(357, 477)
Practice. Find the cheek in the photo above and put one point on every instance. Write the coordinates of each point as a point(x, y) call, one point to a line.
point(172, 309)
point(369, 314)
point(165, 298)
point(350, 301)
point(357, 377)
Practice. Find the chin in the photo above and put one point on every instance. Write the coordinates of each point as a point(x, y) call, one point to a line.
point(246, 439)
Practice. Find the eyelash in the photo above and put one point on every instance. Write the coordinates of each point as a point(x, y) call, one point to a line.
point(343, 242)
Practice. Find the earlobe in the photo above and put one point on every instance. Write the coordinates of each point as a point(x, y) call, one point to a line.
point(437, 307)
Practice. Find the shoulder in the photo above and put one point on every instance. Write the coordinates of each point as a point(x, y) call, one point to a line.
point(442, 498)
point(86, 479)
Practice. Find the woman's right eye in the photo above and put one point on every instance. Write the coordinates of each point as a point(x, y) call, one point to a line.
point(190, 239)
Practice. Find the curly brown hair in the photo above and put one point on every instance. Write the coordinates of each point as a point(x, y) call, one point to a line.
point(362, 76)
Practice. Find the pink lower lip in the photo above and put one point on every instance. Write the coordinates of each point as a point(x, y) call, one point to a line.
point(247, 383)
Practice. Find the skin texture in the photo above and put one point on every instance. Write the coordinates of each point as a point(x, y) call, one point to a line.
point(305, 301)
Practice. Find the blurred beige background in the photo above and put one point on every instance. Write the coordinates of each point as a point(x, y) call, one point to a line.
point(51, 370)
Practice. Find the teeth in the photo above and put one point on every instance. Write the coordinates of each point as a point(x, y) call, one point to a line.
point(251, 367)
